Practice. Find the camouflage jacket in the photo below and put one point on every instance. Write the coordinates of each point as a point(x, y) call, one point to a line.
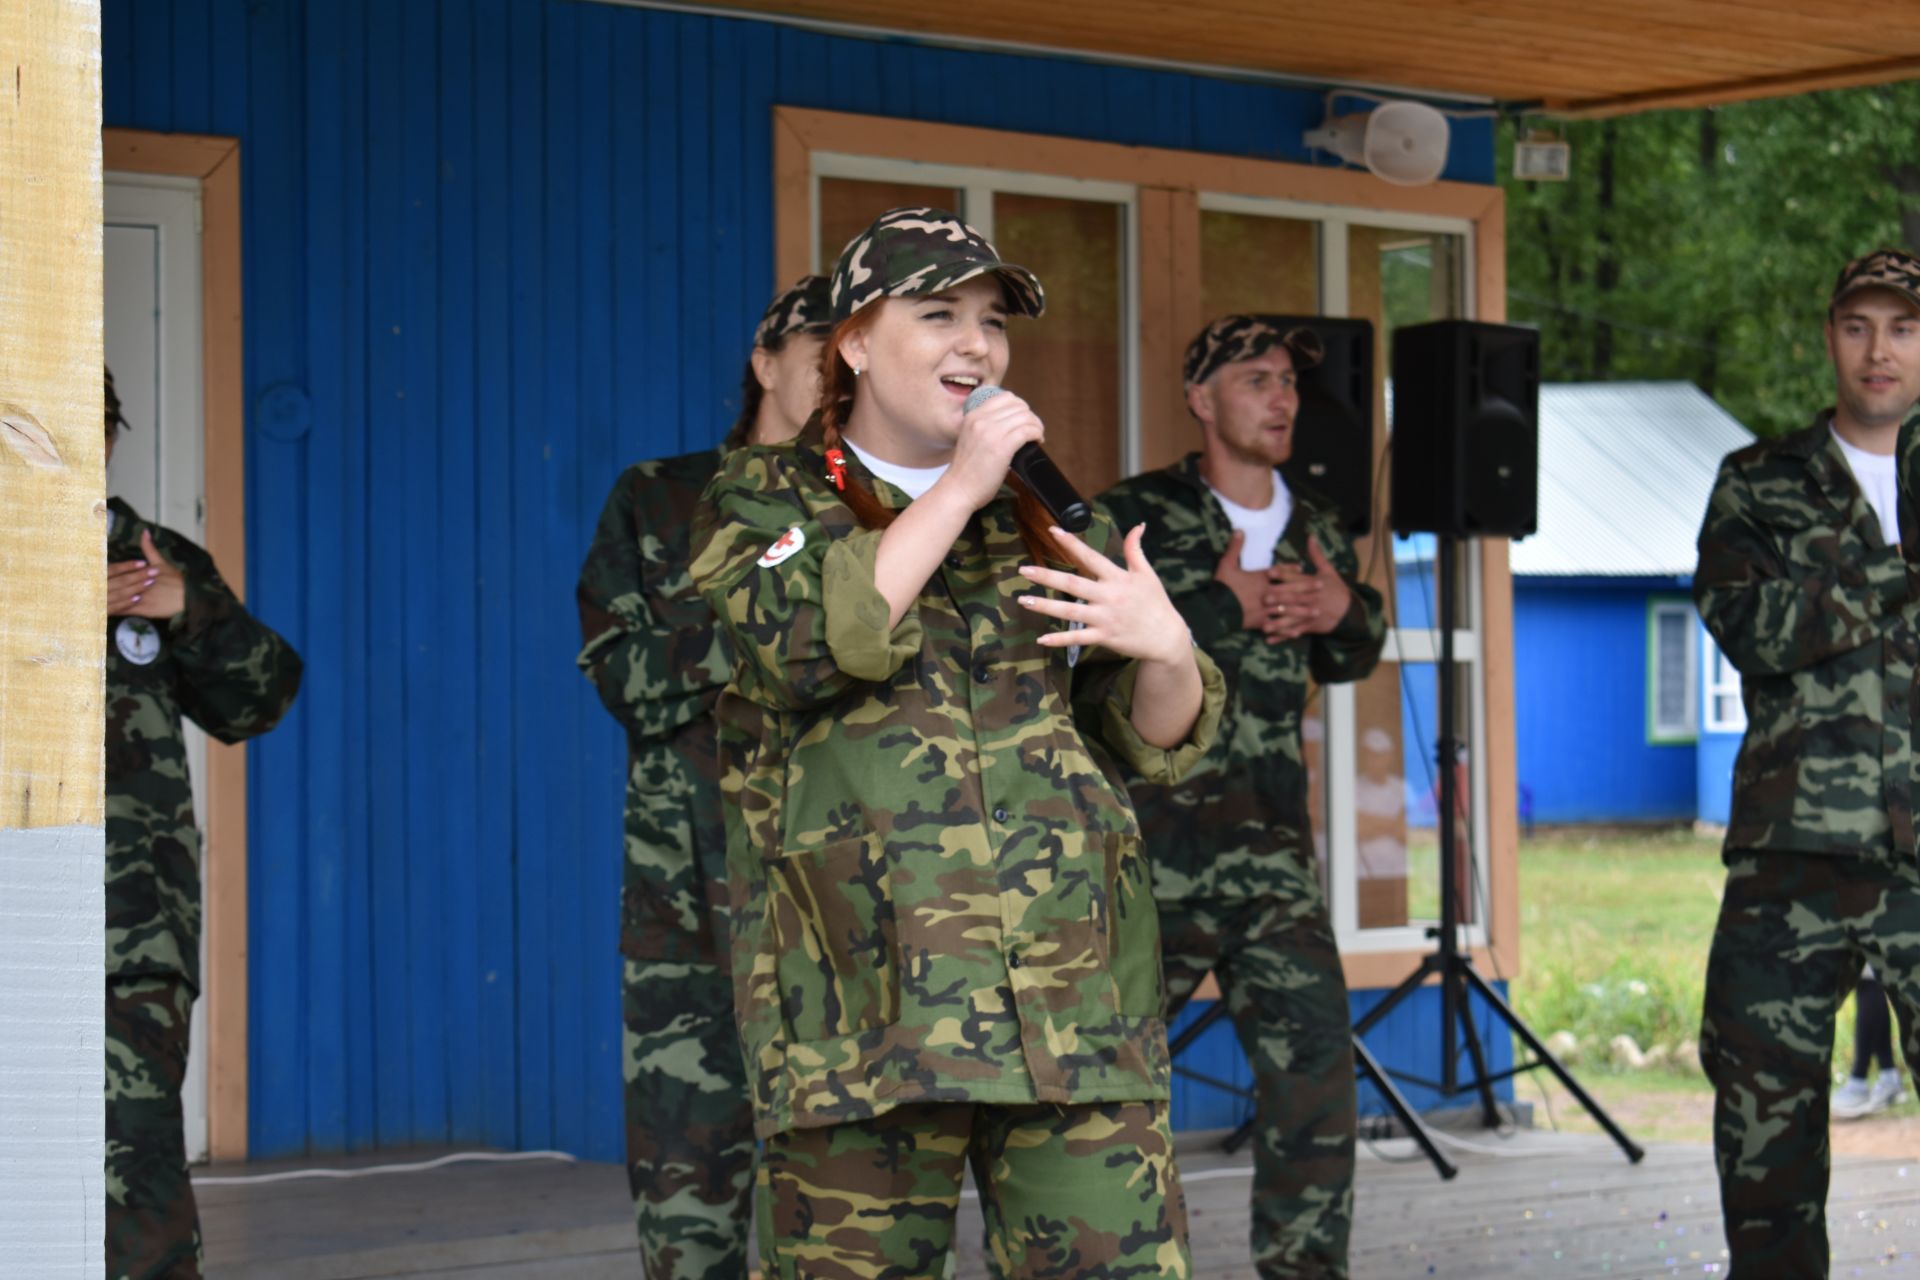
point(1819, 616)
point(652, 650)
point(1221, 831)
point(219, 666)
point(938, 891)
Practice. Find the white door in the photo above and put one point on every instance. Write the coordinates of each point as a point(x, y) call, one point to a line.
point(152, 234)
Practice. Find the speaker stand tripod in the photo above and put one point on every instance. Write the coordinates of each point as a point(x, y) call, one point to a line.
point(1454, 968)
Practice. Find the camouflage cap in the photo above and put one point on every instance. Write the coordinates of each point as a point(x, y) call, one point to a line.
point(907, 252)
point(1893, 269)
point(802, 307)
point(1231, 339)
point(116, 421)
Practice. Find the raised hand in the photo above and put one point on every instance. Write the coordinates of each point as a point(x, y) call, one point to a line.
point(149, 588)
point(1125, 609)
point(989, 437)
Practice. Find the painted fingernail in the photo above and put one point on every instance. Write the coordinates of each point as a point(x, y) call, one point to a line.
point(1026, 571)
point(1055, 529)
point(136, 600)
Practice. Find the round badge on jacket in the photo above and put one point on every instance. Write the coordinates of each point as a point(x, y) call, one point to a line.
point(784, 547)
point(138, 641)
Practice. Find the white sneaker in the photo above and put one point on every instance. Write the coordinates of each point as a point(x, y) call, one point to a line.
point(1852, 1099)
point(1888, 1091)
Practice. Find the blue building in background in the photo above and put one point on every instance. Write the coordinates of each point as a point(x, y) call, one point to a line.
point(1625, 711)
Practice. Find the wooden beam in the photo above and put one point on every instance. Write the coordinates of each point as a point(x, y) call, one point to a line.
point(53, 582)
point(215, 163)
point(1719, 93)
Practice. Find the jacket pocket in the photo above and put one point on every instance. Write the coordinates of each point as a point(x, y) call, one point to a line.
point(836, 945)
point(1133, 930)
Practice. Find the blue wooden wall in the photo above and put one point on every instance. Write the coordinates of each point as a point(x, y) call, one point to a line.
point(1580, 698)
point(493, 251)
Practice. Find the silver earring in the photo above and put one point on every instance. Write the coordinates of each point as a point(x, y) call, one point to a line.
point(857, 371)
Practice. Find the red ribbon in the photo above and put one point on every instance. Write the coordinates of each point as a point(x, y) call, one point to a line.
point(837, 468)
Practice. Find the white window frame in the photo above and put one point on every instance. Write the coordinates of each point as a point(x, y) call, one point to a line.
point(978, 187)
point(1719, 678)
point(1404, 645)
point(1688, 729)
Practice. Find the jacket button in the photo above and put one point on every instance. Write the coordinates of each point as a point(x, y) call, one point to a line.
point(1013, 960)
point(980, 673)
point(1000, 813)
point(956, 562)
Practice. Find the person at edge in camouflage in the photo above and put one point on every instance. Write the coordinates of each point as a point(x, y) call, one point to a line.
point(1267, 580)
point(653, 651)
point(1806, 581)
point(944, 944)
point(178, 644)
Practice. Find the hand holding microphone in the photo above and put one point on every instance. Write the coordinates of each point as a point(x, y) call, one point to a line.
point(1030, 462)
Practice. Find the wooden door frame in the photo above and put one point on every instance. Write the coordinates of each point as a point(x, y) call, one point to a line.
point(215, 164)
point(1170, 183)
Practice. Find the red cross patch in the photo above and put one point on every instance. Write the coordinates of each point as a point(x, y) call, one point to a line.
point(783, 548)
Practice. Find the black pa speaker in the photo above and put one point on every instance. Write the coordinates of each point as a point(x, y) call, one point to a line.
point(1466, 437)
point(1333, 432)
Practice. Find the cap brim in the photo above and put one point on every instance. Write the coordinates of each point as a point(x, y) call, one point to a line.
point(1861, 286)
point(1025, 297)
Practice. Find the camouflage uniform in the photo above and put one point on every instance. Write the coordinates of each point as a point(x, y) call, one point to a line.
point(1819, 615)
point(653, 652)
point(1232, 851)
point(215, 664)
point(944, 946)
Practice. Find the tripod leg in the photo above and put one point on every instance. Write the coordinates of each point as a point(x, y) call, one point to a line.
point(1195, 1029)
point(1489, 1106)
point(1539, 1051)
point(1415, 1127)
point(1408, 985)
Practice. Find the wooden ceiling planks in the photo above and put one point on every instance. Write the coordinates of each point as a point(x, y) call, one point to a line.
point(1578, 57)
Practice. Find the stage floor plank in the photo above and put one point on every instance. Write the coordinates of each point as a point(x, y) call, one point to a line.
point(1545, 1205)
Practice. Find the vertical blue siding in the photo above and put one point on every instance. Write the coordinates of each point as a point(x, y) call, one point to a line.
point(494, 250)
point(1580, 698)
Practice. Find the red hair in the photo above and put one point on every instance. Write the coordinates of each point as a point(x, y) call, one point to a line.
point(837, 387)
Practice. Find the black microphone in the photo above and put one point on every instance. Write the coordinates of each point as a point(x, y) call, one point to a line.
point(1031, 463)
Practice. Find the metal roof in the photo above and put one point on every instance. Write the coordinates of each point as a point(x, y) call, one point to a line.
point(1625, 471)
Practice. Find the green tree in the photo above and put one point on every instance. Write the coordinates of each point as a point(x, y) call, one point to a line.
point(1700, 245)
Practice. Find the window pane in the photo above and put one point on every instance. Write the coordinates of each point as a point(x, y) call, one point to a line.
point(1398, 278)
point(1069, 364)
point(849, 205)
point(1418, 705)
point(1671, 667)
point(1253, 263)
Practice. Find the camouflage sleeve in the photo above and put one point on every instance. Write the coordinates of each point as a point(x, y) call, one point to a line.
point(794, 587)
point(655, 679)
point(1352, 649)
point(1109, 697)
point(237, 675)
point(1772, 613)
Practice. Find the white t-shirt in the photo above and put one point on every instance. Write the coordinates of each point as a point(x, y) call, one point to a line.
point(912, 481)
point(1263, 525)
point(1879, 479)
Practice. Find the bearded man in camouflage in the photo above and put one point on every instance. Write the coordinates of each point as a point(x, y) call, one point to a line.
point(1806, 582)
point(1267, 580)
point(659, 662)
point(179, 644)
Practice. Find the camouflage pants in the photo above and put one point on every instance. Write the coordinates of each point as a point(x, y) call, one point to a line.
point(1069, 1193)
point(153, 1229)
point(1793, 932)
point(1280, 976)
point(689, 1123)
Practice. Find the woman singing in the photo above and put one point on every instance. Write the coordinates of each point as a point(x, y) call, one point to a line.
point(945, 948)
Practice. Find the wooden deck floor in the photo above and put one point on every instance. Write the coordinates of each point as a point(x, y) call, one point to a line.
point(1546, 1205)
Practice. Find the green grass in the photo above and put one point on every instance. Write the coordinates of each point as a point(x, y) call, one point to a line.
point(1615, 928)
